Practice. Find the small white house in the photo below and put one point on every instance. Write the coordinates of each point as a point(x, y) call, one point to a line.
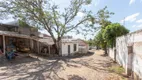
point(69, 47)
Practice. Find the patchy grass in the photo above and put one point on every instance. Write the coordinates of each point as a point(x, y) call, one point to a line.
point(115, 77)
point(118, 70)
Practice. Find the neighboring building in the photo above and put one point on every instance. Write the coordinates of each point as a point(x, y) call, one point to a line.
point(36, 41)
point(128, 53)
point(15, 27)
point(69, 47)
point(22, 38)
point(67, 37)
point(83, 46)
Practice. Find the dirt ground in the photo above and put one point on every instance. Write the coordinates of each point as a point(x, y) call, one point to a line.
point(89, 67)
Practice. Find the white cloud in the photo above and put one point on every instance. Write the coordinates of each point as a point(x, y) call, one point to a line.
point(97, 2)
point(130, 18)
point(131, 2)
point(137, 26)
point(139, 21)
point(80, 14)
point(89, 5)
point(134, 26)
point(140, 26)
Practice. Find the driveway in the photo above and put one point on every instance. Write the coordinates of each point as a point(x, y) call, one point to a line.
point(89, 67)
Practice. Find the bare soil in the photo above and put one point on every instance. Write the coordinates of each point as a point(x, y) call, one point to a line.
point(89, 67)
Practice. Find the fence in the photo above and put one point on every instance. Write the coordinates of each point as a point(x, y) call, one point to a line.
point(129, 53)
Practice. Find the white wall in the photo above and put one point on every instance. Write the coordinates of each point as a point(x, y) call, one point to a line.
point(137, 58)
point(111, 53)
point(123, 58)
point(65, 48)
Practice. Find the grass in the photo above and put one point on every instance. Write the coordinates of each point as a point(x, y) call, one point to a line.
point(118, 70)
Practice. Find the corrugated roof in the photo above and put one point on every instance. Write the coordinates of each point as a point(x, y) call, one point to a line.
point(14, 34)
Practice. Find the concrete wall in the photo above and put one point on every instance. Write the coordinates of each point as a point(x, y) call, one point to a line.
point(137, 59)
point(129, 52)
point(65, 48)
point(111, 53)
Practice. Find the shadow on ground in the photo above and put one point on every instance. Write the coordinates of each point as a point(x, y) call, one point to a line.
point(16, 61)
point(28, 68)
point(75, 77)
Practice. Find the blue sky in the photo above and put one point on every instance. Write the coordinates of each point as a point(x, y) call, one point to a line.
point(128, 11)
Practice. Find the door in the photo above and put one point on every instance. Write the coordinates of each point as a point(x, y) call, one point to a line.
point(68, 49)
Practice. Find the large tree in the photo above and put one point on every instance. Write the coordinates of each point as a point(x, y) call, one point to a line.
point(102, 19)
point(112, 31)
point(47, 15)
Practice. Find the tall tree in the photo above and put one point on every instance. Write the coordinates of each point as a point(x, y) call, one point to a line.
point(44, 14)
point(103, 16)
point(102, 19)
point(112, 31)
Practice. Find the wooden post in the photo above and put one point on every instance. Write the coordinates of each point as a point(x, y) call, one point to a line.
point(3, 37)
point(49, 49)
point(32, 46)
point(38, 47)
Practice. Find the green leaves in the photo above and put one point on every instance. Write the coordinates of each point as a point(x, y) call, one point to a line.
point(23, 24)
point(107, 35)
point(112, 31)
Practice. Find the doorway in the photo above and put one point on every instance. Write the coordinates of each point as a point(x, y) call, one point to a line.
point(68, 49)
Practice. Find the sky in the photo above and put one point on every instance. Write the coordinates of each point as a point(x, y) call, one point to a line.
point(127, 13)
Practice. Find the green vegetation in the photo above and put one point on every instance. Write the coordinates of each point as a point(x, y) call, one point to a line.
point(111, 32)
point(23, 24)
point(117, 69)
point(106, 36)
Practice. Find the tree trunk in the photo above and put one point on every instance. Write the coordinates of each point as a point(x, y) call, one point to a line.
point(106, 49)
point(58, 47)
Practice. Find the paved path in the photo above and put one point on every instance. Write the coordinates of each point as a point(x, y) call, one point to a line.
point(91, 67)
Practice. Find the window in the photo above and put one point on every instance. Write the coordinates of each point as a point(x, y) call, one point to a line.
point(75, 47)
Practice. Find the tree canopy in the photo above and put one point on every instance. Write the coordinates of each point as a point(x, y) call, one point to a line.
point(112, 31)
point(46, 15)
point(107, 36)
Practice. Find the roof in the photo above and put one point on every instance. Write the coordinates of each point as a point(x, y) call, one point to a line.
point(82, 42)
point(69, 41)
point(45, 35)
point(14, 34)
point(7, 25)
